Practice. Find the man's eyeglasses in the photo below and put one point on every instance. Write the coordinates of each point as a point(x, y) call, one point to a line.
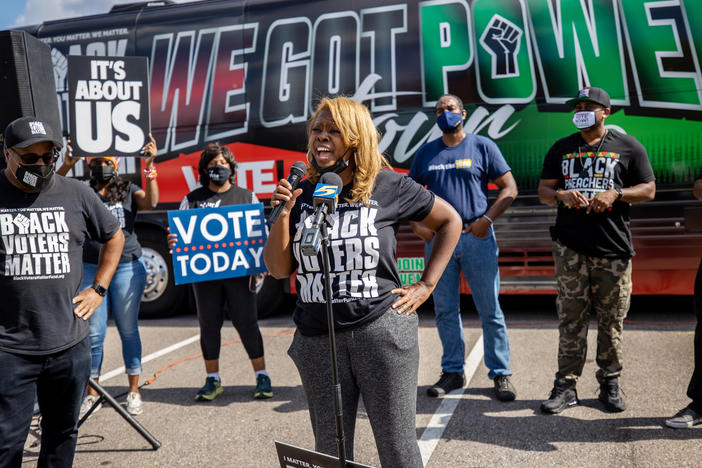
point(33, 158)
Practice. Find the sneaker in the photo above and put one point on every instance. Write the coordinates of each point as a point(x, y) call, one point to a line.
point(263, 387)
point(504, 389)
point(686, 417)
point(609, 395)
point(447, 382)
point(562, 396)
point(134, 404)
point(88, 403)
point(210, 390)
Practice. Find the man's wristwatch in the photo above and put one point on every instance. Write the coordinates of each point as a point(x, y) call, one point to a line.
point(99, 289)
point(619, 193)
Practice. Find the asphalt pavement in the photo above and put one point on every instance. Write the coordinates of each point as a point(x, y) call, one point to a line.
point(235, 430)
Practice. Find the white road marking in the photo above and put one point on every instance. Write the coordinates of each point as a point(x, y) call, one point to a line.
point(435, 429)
point(151, 357)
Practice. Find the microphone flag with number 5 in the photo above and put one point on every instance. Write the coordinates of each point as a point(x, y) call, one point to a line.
point(324, 200)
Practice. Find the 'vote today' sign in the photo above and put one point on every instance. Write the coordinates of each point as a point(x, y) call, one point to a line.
point(108, 105)
point(218, 243)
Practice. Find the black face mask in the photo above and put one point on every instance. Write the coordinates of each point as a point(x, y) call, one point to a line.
point(219, 175)
point(102, 174)
point(338, 167)
point(35, 177)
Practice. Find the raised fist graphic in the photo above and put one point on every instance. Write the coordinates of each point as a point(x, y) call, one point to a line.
point(501, 39)
point(60, 69)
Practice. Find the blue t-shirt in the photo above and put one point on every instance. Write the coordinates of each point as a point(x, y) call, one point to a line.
point(460, 174)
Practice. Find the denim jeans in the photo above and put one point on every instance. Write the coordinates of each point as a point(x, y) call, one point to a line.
point(58, 380)
point(477, 258)
point(122, 300)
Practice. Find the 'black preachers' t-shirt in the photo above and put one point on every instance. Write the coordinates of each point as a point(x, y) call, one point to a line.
point(361, 253)
point(41, 262)
point(619, 161)
point(125, 212)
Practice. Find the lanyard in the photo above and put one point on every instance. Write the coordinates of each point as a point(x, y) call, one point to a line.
point(583, 172)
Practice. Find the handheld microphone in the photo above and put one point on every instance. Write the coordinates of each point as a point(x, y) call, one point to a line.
point(325, 198)
point(297, 171)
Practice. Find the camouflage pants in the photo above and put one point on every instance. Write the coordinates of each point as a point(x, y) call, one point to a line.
point(586, 285)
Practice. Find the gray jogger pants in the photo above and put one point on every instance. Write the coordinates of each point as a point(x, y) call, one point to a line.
point(377, 361)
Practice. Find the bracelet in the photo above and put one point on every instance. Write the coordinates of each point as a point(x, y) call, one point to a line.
point(555, 194)
point(488, 218)
point(151, 174)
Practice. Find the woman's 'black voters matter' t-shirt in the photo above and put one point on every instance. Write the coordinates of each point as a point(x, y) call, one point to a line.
point(203, 197)
point(361, 253)
point(619, 161)
point(126, 213)
point(41, 262)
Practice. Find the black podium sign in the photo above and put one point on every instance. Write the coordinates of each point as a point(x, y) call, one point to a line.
point(108, 105)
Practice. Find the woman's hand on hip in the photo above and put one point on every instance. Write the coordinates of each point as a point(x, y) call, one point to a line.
point(412, 297)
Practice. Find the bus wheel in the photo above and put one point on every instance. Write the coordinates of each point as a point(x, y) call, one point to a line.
point(162, 298)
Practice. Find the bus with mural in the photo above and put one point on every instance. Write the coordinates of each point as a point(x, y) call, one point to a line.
point(247, 73)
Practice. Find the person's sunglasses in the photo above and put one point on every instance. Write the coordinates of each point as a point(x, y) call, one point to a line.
point(33, 158)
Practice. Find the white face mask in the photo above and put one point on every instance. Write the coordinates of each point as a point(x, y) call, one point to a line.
point(584, 119)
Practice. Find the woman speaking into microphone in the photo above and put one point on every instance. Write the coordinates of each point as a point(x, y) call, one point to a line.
point(374, 316)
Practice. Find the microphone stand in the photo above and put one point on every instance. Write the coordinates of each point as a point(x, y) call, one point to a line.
point(121, 411)
point(336, 386)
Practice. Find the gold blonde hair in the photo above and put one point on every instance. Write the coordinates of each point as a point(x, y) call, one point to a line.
point(360, 136)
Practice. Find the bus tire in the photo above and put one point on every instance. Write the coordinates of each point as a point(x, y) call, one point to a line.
point(162, 298)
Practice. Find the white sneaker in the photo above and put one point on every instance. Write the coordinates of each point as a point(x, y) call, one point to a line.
point(88, 403)
point(134, 404)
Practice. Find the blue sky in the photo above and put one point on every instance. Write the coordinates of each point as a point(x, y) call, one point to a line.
point(12, 9)
point(25, 12)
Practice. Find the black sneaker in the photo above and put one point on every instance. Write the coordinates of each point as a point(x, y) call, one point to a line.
point(263, 387)
point(609, 395)
point(447, 382)
point(562, 396)
point(210, 390)
point(504, 389)
point(686, 417)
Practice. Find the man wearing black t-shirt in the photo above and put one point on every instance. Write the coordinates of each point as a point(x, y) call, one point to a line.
point(44, 344)
point(593, 176)
point(691, 415)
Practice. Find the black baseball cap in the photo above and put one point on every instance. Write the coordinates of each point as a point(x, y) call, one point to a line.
point(596, 95)
point(26, 131)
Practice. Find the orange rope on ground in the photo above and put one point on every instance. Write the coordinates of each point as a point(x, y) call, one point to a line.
point(163, 369)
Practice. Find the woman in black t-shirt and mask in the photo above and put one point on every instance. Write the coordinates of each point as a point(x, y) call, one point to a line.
point(374, 316)
point(123, 298)
point(217, 171)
